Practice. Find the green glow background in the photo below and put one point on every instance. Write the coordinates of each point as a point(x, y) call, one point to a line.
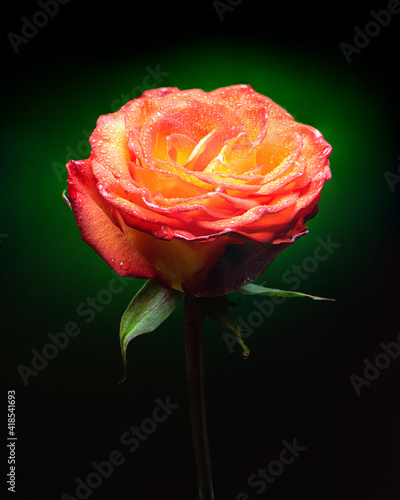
point(296, 382)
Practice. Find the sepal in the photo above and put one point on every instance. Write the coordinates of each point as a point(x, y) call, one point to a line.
point(253, 289)
point(217, 308)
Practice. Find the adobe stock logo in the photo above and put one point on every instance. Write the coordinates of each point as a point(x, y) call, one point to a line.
point(294, 276)
point(30, 27)
point(87, 309)
point(362, 38)
point(372, 370)
point(391, 178)
point(132, 440)
point(264, 476)
point(227, 6)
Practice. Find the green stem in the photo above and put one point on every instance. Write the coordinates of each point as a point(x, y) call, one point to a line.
point(194, 318)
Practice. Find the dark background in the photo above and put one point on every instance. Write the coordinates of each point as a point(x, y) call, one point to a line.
point(89, 59)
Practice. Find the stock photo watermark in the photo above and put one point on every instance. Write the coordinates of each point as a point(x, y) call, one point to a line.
point(152, 79)
point(260, 479)
point(131, 440)
point(221, 7)
point(373, 369)
point(88, 310)
point(363, 36)
point(11, 441)
point(264, 308)
point(80, 150)
point(31, 26)
point(391, 178)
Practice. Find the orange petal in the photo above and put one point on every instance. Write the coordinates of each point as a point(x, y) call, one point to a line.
point(97, 228)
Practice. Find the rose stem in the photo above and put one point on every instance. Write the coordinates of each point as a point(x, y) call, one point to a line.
point(194, 318)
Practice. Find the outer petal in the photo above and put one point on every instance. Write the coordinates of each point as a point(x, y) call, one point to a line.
point(96, 227)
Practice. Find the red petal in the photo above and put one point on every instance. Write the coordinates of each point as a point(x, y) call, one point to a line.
point(96, 227)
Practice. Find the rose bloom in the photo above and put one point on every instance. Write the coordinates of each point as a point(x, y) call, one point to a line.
point(197, 190)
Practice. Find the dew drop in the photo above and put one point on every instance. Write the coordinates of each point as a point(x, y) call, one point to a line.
point(163, 233)
point(124, 266)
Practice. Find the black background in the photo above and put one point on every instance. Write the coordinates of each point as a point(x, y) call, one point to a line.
point(297, 388)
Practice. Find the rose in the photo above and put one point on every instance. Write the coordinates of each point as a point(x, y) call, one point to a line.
point(197, 190)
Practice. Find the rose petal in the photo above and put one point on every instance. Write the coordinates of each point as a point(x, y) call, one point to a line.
point(180, 147)
point(208, 148)
point(96, 227)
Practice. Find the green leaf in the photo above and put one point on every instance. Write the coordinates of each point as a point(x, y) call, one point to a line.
point(147, 310)
point(253, 289)
point(217, 309)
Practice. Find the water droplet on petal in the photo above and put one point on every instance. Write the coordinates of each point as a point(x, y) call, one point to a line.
point(164, 233)
point(124, 266)
point(103, 191)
